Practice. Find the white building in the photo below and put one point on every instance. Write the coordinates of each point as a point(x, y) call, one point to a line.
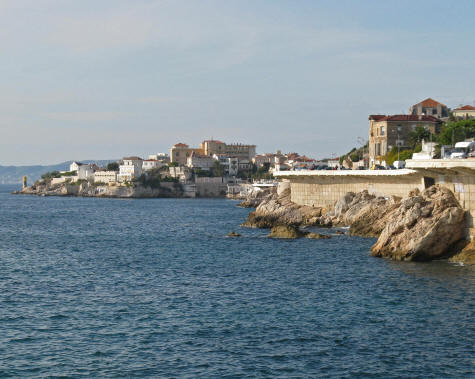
point(231, 165)
point(161, 157)
point(75, 166)
point(86, 171)
point(105, 177)
point(149, 164)
point(130, 168)
point(465, 112)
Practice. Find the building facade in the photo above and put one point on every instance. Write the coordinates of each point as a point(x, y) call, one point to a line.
point(201, 161)
point(430, 107)
point(86, 171)
point(386, 132)
point(130, 169)
point(180, 152)
point(107, 177)
point(464, 113)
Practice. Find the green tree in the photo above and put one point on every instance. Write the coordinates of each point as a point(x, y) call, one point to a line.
point(218, 169)
point(113, 166)
point(417, 135)
point(457, 131)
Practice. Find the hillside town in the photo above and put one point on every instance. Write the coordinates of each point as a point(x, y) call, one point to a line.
point(215, 168)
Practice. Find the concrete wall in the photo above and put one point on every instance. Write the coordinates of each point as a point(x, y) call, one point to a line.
point(211, 187)
point(463, 186)
point(324, 191)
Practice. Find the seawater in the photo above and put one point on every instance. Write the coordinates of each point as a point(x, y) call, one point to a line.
point(153, 288)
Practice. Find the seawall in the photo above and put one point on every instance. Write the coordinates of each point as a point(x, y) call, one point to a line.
point(324, 188)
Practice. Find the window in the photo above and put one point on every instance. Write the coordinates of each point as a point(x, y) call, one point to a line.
point(382, 130)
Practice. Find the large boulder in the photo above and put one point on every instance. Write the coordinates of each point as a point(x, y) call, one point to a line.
point(423, 227)
point(280, 210)
point(255, 198)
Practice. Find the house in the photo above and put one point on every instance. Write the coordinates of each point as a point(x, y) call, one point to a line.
point(200, 161)
point(386, 132)
point(75, 166)
point(182, 173)
point(86, 171)
point(161, 157)
point(430, 107)
point(180, 152)
point(107, 177)
point(231, 165)
point(465, 112)
point(130, 168)
point(149, 164)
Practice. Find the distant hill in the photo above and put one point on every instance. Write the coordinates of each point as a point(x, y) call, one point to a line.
point(14, 174)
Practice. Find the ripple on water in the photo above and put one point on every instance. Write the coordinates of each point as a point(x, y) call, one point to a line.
point(153, 288)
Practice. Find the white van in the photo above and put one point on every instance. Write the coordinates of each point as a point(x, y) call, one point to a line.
point(463, 150)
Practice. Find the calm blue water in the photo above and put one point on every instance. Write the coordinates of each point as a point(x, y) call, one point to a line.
point(153, 288)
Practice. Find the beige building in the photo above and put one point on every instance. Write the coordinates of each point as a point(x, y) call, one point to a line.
point(429, 107)
point(234, 150)
point(105, 177)
point(201, 161)
point(180, 152)
point(386, 132)
point(465, 112)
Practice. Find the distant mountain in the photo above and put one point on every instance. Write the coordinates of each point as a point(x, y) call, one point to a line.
point(14, 174)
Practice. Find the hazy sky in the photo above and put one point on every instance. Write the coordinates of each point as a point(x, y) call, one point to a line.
point(104, 79)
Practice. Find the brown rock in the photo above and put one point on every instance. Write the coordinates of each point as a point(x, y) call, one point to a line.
point(423, 227)
point(286, 231)
point(318, 236)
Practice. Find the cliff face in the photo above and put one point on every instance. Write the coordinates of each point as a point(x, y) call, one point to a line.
point(421, 227)
point(90, 190)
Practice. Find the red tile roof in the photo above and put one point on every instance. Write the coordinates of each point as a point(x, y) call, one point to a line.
point(430, 103)
point(376, 117)
point(404, 117)
point(466, 108)
point(179, 144)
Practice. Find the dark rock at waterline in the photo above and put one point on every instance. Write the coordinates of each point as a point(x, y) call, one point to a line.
point(233, 234)
point(317, 236)
point(286, 231)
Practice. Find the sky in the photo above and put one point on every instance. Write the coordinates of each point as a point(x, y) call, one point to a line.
point(105, 79)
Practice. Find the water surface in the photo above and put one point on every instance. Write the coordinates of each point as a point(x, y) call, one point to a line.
point(153, 288)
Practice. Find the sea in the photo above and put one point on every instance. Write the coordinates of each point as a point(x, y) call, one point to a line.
point(153, 288)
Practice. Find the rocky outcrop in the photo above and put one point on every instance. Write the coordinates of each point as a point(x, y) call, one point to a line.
point(255, 198)
point(425, 226)
point(87, 189)
point(278, 209)
point(465, 255)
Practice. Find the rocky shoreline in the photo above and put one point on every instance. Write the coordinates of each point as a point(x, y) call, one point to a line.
point(424, 226)
point(86, 189)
